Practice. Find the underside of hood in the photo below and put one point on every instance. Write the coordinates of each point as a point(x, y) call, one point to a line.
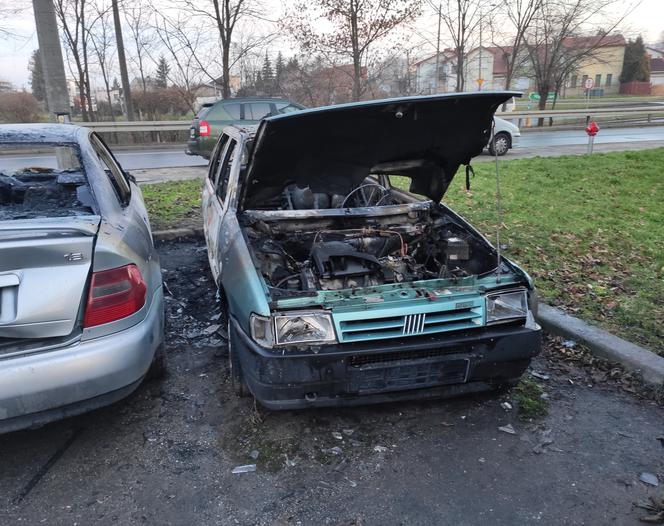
point(332, 149)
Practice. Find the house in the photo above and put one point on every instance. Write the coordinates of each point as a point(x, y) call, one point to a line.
point(603, 64)
point(5, 86)
point(425, 73)
point(657, 75)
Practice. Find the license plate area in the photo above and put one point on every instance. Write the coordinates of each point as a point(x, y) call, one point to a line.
point(407, 374)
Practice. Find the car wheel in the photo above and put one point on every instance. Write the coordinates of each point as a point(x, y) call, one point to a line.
point(159, 366)
point(237, 378)
point(500, 144)
point(238, 384)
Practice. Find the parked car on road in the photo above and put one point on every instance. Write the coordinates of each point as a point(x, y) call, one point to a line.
point(81, 302)
point(341, 287)
point(213, 117)
point(505, 137)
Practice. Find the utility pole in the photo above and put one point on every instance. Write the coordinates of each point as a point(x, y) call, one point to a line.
point(53, 66)
point(124, 76)
point(479, 74)
point(438, 49)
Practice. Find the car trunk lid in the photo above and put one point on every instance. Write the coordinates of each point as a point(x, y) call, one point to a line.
point(44, 269)
point(332, 149)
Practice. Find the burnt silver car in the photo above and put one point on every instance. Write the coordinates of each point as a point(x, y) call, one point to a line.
point(81, 302)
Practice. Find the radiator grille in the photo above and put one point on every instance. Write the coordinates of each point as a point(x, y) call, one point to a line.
point(391, 326)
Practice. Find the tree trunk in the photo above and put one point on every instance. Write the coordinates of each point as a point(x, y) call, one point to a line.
point(124, 75)
point(226, 72)
point(543, 93)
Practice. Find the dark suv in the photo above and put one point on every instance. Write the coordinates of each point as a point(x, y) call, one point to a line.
point(214, 116)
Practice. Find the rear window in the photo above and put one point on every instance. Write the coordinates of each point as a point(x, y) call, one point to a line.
point(233, 111)
point(42, 180)
point(256, 111)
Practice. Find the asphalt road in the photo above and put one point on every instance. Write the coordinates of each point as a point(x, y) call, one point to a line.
point(165, 455)
point(530, 140)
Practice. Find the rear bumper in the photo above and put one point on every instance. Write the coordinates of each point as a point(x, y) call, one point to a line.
point(197, 146)
point(41, 387)
point(410, 368)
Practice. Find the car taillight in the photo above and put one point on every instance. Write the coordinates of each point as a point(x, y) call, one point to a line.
point(114, 294)
point(204, 128)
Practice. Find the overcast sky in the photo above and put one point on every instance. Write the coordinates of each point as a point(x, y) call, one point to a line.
point(647, 19)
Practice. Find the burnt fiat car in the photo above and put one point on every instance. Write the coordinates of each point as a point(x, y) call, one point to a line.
point(341, 288)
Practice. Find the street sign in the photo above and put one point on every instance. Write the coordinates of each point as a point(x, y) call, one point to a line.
point(589, 83)
point(533, 95)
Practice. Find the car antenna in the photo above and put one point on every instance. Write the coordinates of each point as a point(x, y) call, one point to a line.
point(498, 203)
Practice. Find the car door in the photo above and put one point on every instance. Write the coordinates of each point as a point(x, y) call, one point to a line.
point(217, 204)
point(207, 194)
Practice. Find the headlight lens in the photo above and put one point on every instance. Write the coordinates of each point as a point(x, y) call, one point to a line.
point(292, 328)
point(506, 306)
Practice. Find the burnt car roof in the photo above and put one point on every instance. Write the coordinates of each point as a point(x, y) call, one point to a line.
point(40, 133)
point(334, 148)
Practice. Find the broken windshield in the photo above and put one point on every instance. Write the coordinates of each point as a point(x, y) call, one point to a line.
point(42, 180)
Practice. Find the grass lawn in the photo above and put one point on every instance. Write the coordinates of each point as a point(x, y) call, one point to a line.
point(174, 204)
point(589, 229)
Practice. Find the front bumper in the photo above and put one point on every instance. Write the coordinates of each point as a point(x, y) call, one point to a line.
point(44, 386)
point(409, 368)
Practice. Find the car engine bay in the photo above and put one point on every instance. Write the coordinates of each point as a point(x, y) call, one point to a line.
point(346, 253)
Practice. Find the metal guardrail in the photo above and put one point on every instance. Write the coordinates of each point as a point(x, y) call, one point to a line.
point(588, 114)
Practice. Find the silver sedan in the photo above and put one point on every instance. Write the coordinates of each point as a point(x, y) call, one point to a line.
point(81, 302)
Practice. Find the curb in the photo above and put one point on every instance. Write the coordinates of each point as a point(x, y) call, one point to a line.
point(176, 233)
point(603, 344)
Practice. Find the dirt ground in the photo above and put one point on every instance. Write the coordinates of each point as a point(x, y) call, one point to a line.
point(166, 454)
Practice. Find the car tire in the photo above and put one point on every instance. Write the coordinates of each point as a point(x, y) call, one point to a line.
point(159, 366)
point(500, 144)
point(238, 384)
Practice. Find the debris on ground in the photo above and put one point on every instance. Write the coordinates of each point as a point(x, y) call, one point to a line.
point(649, 478)
point(247, 468)
point(656, 508)
point(506, 406)
point(507, 429)
point(545, 440)
point(254, 454)
point(539, 375)
point(337, 435)
point(380, 449)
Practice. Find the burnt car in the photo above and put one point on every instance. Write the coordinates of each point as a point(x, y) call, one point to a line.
point(81, 302)
point(342, 288)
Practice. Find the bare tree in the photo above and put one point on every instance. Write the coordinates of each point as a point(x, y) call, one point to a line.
point(555, 41)
point(185, 45)
point(225, 16)
point(462, 19)
point(515, 20)
point(72, 16)
point(137, 18)
point(355, 26)
point(102, 38)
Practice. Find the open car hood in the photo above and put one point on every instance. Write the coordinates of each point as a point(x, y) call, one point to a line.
point(332, 149)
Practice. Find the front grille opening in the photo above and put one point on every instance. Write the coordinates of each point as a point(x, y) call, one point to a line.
point(387, 357)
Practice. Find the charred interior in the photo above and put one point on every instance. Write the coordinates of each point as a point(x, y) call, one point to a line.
point(301, 255)
point(44, 193)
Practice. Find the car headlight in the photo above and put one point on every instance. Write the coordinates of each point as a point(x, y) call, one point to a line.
point(506, 306)
point(293, 328)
